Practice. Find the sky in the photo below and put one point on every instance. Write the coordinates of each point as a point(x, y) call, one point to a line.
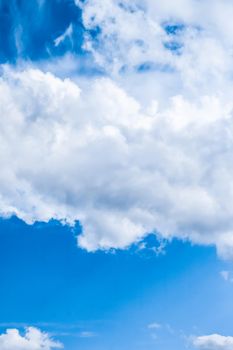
point(116, 185)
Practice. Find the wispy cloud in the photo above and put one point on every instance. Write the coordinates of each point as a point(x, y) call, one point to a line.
point(227, 276)
point(67, 34)
point(154, 325)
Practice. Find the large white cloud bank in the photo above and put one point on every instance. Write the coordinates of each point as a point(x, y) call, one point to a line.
point(130, 153)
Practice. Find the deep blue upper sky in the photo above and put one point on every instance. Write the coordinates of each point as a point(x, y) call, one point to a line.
point(28, 30)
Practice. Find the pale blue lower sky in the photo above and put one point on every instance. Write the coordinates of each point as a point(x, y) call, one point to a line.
point(122, 300)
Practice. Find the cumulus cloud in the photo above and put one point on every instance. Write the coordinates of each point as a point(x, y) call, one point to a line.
point(96, 155)
point(213, 342)
point(146, 148)
point(33, 339)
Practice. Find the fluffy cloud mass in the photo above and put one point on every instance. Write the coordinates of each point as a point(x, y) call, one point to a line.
point(177, 34)
point(97, 156)
point(213, 342)
point(145, 148)
point(34, 339)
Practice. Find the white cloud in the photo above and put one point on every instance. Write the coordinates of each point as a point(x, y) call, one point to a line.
point(213, 342)
point(33, 339)
point(133, 152)
point(97, 155)
point(132, 34)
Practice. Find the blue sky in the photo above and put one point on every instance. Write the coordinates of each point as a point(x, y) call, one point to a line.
point(126, 299)
point(36, 26)
point(116, 190)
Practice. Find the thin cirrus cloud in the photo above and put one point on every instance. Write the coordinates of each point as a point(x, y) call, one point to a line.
point(145, 148)
point(33, 339)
